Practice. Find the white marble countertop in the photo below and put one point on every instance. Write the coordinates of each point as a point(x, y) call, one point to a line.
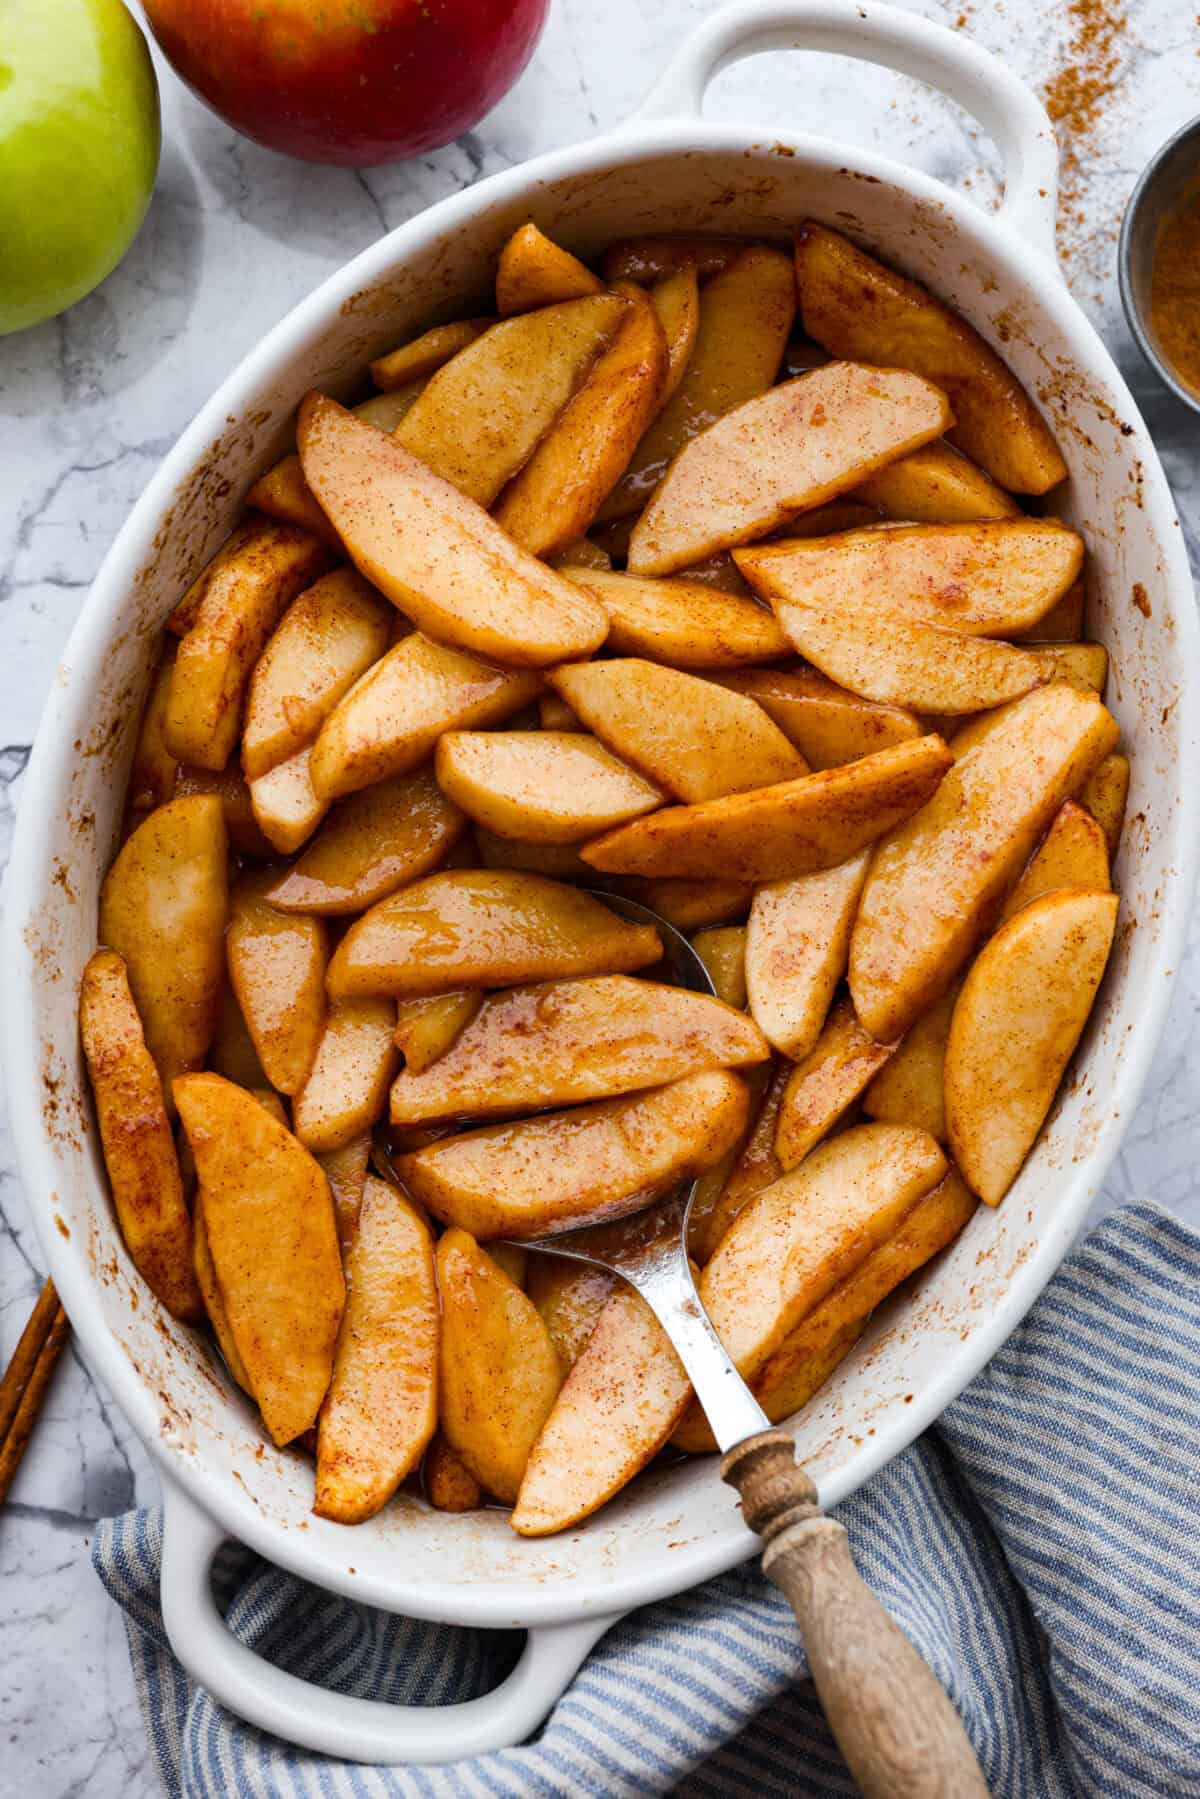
point(234, 237)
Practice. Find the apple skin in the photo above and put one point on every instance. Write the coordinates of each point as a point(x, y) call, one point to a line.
point(79, 144)
point(357, 82)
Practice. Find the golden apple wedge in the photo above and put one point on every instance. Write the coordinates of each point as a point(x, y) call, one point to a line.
point(535, 271)
point(684, 623)
point(617, 1408)
point(855, 306)
point(552, 500)
point(283, 493)
point(797, 942)
point(723, 953)
point(1073, 853)
point(152, 776)
point(989, 580)
point(822, 1088)
point(449, 1484)
point(939, 880)
point(580, 1166)
point(373, 842)
point(897, 662)
point(163, 907)
point(541, 786)
point(1105, 793)
point(909, 1088)
point(481, 415)
point(796, 446)
point(828, 724)
point(746, 314)
point(691, 905)
point(426, 1027)
point(345, 1094)
point(273, 1240)
point(214, 1303)
point(381, 1407)
point(391, 719)
point(1082, 665)
point(561, 1043)
point(325, 640)
point(484, 928)
point(560, 861)
point(346, 1171)
point(570, 1297)
point(135, 1135)
point(1064, 621)
point(255, 575)
point(936, 485)
point(777, 832)
point(693, 740)
point(676, 300)
point(499, 1372)
point(434, 552)
point(1020, 1014)
point(237, 802)
point(755, 1166)
point(277, 967)
point(424, 355)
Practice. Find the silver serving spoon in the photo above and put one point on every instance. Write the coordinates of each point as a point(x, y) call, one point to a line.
point(898, 1731)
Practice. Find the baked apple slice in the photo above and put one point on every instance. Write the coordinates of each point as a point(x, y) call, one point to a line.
point(794, 447)
point(375, 841)
point(564, 1042)
point(345, 1094)
point(381, 1407)
point(686, 624)
point(277, 967)
point(274, 1245)
point(1073, 853)
point(828, 724)
point(433, 550)
point(426, 1027)
point(535, 271)
point(555, 787)
point(773, 833)
point(797, 941)
point(579, 1166)
point(484, 928)
point(936, 485)
point(823, 1087)
point(1020, 1014)
point(696, 741)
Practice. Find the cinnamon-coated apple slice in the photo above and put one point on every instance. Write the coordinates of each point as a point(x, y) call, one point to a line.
point(1081, 665)
point(579, 1166)
point(855, 306)
point(426, 1027)
point(561, 1043)
point(910, 1086)
point(822, 1087)
point(1105, 794)
point(163, 906)
point(552, 500)
point(325, 640)
point(481, 415)
point(135, 1135)
point(499, 1373)
point(828, 724)
point(746, 314)
point(1020, 1014)
point(754, 1167)
point(797, 941)
point(345, 1094)
point(773, 833)
point(484, 928)
point(940, 878)
point(277, 967)
point(391, 719)
point(696, 741)
point(994, 579)
point(433, 551)
point(283, 493)
point(554, 787)
point(570, 1297)
point(533, 270)
point(676, 300)
point(237, 802)
point(1073, 853)
point(897, 662)
point(684, 623)
point(373, 842)
point(287, 807)
point(274, 1245)
point(381, 1407)
point(796, 446)
point(346, 1171)
point(936, 485)
point(423, 356)
point(723, 952)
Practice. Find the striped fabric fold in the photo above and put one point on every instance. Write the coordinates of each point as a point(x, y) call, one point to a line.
point(1040, 1547)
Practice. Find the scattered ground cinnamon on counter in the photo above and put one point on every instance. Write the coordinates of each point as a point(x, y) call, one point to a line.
point(1076, 96)
point(1175, 290)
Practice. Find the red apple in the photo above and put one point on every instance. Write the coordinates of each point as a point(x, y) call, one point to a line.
point(349, 81)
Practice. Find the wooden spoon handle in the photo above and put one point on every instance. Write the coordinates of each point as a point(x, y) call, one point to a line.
point(899, 1733)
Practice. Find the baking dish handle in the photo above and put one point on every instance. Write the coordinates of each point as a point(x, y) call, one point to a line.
point(978, 81)
point(359, 1730)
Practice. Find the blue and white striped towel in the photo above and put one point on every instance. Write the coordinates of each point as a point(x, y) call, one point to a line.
point(1041, 1547)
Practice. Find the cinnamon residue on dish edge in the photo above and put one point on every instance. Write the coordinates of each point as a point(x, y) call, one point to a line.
point(1175, 290)
point(1076, 96)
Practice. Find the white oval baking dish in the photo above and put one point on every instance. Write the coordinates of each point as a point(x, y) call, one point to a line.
point(666, 170)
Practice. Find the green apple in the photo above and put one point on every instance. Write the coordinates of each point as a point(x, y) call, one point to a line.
point(79, 142)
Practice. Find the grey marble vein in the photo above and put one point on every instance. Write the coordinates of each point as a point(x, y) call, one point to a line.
point(90, 403)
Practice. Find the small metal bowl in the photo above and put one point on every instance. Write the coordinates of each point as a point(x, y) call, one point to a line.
point(1164, 183)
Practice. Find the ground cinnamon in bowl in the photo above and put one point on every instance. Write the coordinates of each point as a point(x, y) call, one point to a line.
point(1175, 289)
